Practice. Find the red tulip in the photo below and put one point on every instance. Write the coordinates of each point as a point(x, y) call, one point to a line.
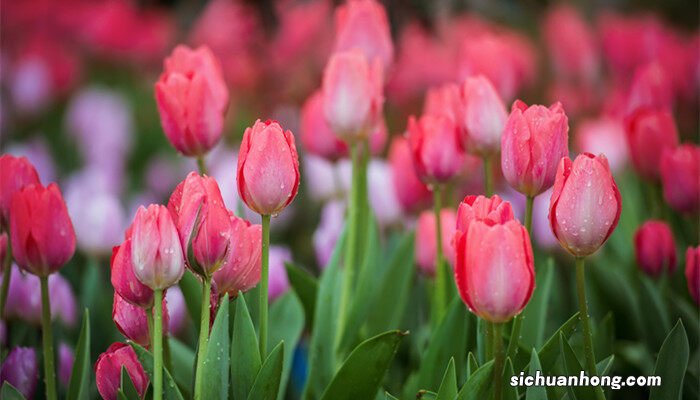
point(241, 269)
point(482, 116)
point(41, 231)
point(156, 252)
point(585, 205)
point(192, 100)
point(352, 95)
point(426, 248)
point(15, 173)
point(410, 191)
point(649, 133)
point(132, 321)
point(535, 138)
point(494, 269)
point(202, 222)
point(655, 248)
point(123, 278)
point(680, 176)
point(480, 208)
point(437, 154)
point(650, 89)
point(268, 168)
point(363, 25)
point(108, 371)
point(692, 272)
point(316, 135)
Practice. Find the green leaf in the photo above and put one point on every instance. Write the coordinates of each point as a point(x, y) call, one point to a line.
point(79, 384)
point(127, 388)
point(426, 395)
point(671, 365)
point(448, 387)
point(656, 320)
point(535, 392)
point(573, 368)
point(305, 286)
point(245, 355)
point(472, 364)
point(361, 374)
point(604, 337)
point(604, 366)
point(216, 363)
point(170, 390)
point(286, 325)
point(267, 383)
point(478, 386)
point(534, 317)
point(182, 361)
point(9, 392)
point(388, 396)
point(509, 392)
point(549, 353)
point(192, 292)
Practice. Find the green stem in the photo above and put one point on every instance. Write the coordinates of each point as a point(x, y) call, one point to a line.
point(528, 213)
point(49, 370)
point(201, 165)
point(203, 338)
point(488, 331)
point(514, 337)
point(488, 184)
point(498, 360)
point(440, 300)
point(158, 345)
point(6, 274)
point(263, 288)
point(585, 322)
point(149, 321)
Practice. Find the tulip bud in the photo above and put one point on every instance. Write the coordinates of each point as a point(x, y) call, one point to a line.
point(15, 173)
point(241, 269)
point(352, 95)
point(437, 154)
point(155, 248)
point(692, 272)
point(316, 135)
point(21, 370)
point(124, 280)
point(426, 246)
point(480, 208)
point(108, 371)
point(363, 25)
point(66, 358)
point(649, 133)
point(132, 321)
point(494, 270)
point(279, 282)
point(534, 139)
point(585, 205)
point(268, 168)
point(41, 231)
point(680, 176)
point(202, 222)
point(192, 100)
point(482, 116)
point(650, 89)
point(654, 248)
point(410, 191)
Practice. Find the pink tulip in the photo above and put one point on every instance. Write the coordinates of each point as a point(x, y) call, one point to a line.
point(317, 136)
point(279, 282)
point(177, 310)
point(603, 135)
point(534, 140)
point(571, 44)
point(382, 196)
point(132, 321)
point(426, 246)
point(445, 100)
point(21, 370)
point(352, 95)
point(680, 176)
point(156, 252)
point(585, 205)
point(692, 272)
point(66, 359)
point(268, 168)
point(363, 25)
point(108, 371)
point(241, 269)
point(650, 89)
point(412, 194)
point(482, 116)
point(192, 100)
point(649, 133)
point(124, 279)
point(491, 210)
point(655, 248)
point(328, 230)
point(437, 154)
point(41, 231)
point(15, 173)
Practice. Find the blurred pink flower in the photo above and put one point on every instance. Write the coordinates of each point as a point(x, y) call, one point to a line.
point(426, 246)
point(65, 363)
point(39, 154)
point(177, 311)
point(603, 135)
point(382, 196)
point(328, 231)
point(21, 369)
point(279, 283)
point(571, 44)
point(364, 25)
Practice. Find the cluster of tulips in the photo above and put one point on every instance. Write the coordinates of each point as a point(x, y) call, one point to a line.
point(194, 254)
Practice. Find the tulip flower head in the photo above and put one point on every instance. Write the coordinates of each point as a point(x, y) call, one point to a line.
point(132, 321)
point(426, 246)
point(108, 371)
point(482, 116)
point(316, 135)
point(15, 173)
point(123, 279)
point(412, 194)
point(268, 168)
point(437, 154)
point(680, 176)
point(655, 248)
point(692, 272)
point(363, 25)
point(241, 269)
point(649, 133)
point(21, 370)
point(585, 205)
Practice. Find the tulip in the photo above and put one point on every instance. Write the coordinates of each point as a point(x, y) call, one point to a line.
point(268, 168)
point(131, 321)
point(650, 89)
point(480, 208)
point(108, 371)
point(328, 230)
point(352, 95)
point(3, 250)
point(15, 174)
point(426, 247)
point(24, 299)
point(482, 117)
point(21, 370)
point(603, 135)
point(445, 100)
point(435, 148)
point(202, 222)
point(655, 248)
point(192, 100)
point(534, 139)
point(240, 271)
point(692, 272)
point(680, 176)
point(649, 133)
point(571, 44)
point(363, 25)
point(124, 280)
point(317, 136)
point(66, 358)
point(585, 205)
point(279, 282)
point(412, 194)
point(382, 196)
